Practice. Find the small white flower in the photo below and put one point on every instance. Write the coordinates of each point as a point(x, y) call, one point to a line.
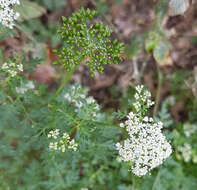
point(73, 145)
point(146, 119)
point(7, 14)
point(28, 86)
point(20, 67)
point(186, 151)
point(11, 68)
point(81, 100)
point(67, 97)
point(53, 134)
point(146, 146)
point(20, 90)
point(121, 124)
point(66, 137)
point(189, 129)
point(90, 100)
point(61, 142)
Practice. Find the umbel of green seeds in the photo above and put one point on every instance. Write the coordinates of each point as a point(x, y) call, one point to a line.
point(87, 41)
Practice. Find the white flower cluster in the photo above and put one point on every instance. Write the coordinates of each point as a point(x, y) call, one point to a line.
point(12, 68)
point(146, 147)
point(189, 129)
point(7, 14)
point(186, 151)
point(80, 100)
point(62, 142)
point(142, 98)
point(84, 188)
point(29, 85)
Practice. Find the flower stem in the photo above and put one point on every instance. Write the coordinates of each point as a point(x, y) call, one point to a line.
point(156, 180)
point(65, 80)
point(158, 95)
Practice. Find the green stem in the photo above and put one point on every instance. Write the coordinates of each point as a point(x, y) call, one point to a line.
point(158, 95)
point(65, 80)
point(156, 180)
point(135, 182)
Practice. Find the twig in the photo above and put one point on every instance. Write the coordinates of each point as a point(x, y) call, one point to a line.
point(158, 95)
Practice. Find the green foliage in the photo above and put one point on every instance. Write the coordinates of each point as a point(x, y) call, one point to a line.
point(135, 46)
point(34, 166)
point(88, 42)
point(29, 10)
point(160, 10)
point(41, 33)
point(6, 32)
point(165, 116)
point(153, 41)
point(51, 4)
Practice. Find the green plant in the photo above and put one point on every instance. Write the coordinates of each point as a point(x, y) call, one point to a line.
point(57, 139)
point(87, 41)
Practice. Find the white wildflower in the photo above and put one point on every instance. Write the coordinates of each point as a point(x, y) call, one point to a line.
point(142, 97)
point(83, 96)
point(20, 90)
point(66, 136)
point(170, 100)
point(53, 145)
point(73, 145)
point(186, 151)
point(61, 142)
point(28, 86)
point(7, 14)
point(80, 100)
point(67, 97)
point(5, 66)
point(78, 104)
point(121, 124)
point(90, 100)
point(20, 67)
point(189, 129)
point(53, 134)
point(84, 188)
point(146, 147)
point(12, 68)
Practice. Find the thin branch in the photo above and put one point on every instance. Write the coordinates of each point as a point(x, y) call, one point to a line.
point(158, 95)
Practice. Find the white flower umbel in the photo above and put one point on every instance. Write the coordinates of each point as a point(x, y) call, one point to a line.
point(53, 134)
point(189, 129)
point(186, 151)
point(61, 142)
point(142, 98)
point(28, 86)
point(146, 147)
point(7, 14)
point(80, 100)
point(12, 68)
